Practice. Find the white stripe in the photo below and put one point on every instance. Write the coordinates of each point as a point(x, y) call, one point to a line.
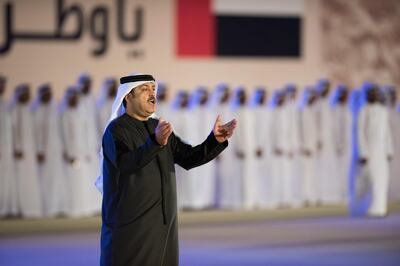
point(258, 7)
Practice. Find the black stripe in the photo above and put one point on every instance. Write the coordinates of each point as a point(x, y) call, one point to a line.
point(258, 36)
point(136, 78)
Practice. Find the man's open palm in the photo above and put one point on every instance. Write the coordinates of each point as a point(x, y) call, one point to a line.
point(225, 131)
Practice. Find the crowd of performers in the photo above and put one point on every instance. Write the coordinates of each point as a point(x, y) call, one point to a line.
point(292, 148)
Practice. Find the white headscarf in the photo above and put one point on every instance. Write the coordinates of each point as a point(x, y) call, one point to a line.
point(116, 111)
point(104, 91)
point(217, 94)
point(256, 95)
point(65, 99)
point(177, 101)
point(337, 92)
point(277, 94)
point(37, 102)
point(19, 90)
point(235, 100)
point(196, 97)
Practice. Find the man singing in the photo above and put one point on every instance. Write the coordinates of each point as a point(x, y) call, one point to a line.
point(139, 210)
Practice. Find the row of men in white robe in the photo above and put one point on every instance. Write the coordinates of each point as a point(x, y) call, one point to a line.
point(286, 152)
point(283, 153)
point(49, 156)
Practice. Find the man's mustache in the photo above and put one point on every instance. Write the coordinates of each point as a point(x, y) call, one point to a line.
point(152, 99)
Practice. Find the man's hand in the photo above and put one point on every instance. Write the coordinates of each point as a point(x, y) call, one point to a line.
point(223, 132)
point(163, 131)
point(278, 152)
point(18, 155)
point(40, 158)
point(240, 154)
point(306, 152)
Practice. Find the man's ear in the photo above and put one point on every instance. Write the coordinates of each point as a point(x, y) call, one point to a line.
point(126, 97)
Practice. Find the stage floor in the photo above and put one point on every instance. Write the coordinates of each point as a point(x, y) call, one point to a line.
point(318, 236)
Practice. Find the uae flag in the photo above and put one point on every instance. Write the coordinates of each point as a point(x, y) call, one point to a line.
point(239, 28)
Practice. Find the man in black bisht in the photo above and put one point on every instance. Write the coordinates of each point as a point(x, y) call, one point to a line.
point(139, 210)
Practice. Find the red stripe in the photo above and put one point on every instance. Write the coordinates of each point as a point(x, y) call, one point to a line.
point(195, 28)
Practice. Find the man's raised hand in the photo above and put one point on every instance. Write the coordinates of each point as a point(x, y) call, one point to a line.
point(225, 131)
point(163, 131)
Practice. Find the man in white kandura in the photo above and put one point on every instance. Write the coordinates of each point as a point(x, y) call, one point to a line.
point(326, 155)
point(375, 145)
point(342, 142)
point(28, 186)
point(309, 147)
point(358, 190)
point(78, 183)
point(219, 104)
point(90, 134)
point(261, 150)
point(8, 188)
point(244, 176)
point(202, 179)
point(49, 153)
point(292, 116)
point(281, 180)
point(394, 118)
point(180, 117)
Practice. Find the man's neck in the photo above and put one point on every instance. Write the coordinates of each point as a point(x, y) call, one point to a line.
point(136, 116)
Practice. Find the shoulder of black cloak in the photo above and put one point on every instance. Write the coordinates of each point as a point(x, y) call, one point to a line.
point(116, 128)
point(117, 122)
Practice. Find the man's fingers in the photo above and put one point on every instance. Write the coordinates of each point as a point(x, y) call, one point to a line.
point(163, 125)
point(230, 125)
point(166, 135)
point(165, 129)
point(226, 128)
point(225, 133)
point(169, 132)
point(217, 121)
point(161, 122)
